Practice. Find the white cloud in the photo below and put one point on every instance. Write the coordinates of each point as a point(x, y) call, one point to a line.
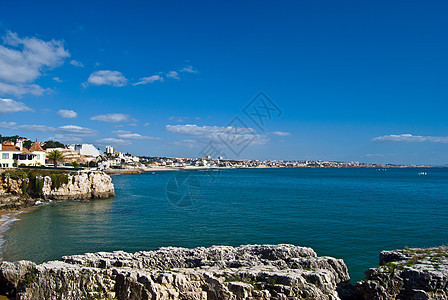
point(69, 139)
point(374, 155)
point(281, 133)
point(203, 130)
point(21, 89)
point(76, 63)
point(188, 69)
point(409, 138)
point(107, 77)
point(111, 118)
point(72, 130)
point(232, 134)
point(67, 114)
point(11, 106)
point(113, 141)
point(187, 143)
point(150, 79)
point(22, 61)
point(173, 75)
point(123, 134)
point(57, 79)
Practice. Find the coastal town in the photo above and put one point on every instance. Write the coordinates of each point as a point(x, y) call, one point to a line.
point(21, 152)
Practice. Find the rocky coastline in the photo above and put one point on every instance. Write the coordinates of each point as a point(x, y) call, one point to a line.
point(224, 272)
point(20, 190)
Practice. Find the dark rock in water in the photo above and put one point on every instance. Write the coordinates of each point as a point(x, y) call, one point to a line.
point(408, 274)
point(218, 272)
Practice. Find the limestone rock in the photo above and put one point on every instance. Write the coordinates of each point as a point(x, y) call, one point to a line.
point(82, 186)
point(218, 272)
point(414, 273)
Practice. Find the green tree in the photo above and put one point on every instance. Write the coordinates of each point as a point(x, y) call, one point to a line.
point(52, 144)
point(54, 156)
point(75, 164)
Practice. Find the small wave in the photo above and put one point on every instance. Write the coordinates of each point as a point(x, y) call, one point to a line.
point(5, 221)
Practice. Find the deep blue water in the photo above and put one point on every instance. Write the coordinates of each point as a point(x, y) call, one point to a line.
point(346, 213)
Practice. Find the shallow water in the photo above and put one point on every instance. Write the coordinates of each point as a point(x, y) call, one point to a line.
point(346, 213)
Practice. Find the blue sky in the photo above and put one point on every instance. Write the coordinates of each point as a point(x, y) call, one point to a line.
point(354, 80)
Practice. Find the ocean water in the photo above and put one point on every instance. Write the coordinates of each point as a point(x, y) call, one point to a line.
point(351, 214)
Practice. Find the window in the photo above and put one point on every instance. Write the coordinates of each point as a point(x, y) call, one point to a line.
point(5, 165)
point(38, 156)
point(5, 155)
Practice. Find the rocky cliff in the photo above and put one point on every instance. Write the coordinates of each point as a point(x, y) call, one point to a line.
point(408, 274)
point(218, 272)
point(222, 272)
point(20, 189)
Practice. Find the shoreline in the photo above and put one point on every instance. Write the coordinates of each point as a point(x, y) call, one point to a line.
point(146, 170)
point(6, 218)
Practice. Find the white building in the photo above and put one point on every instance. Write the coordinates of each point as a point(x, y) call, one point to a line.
point(110, 150)
point(88, 150)
point(12, 156)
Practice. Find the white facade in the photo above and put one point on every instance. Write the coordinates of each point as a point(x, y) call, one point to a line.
point(88, 150)
point(12, 156)
point(110, 150)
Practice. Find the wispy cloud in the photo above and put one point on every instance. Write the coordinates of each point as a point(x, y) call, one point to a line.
point(11, 106)
point(187, 143)
point(188, 69)
point(69, 139)
point(22, 61)
point(113, 141)
point(123, 134)
point(111, 118)
point(219, 133)
point(76, 63)
point(67, 114)
point(57, 79)
point(70, 130)
point(150, 79)
point(107, 77)
point(281, 133)
point(19, 89)
point(374, 155)
point(173, 75)
point(409, 138)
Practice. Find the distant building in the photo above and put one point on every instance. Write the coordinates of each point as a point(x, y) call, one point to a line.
point(70, 155)
point(110, 150)
point(87, 150)
point(12, 156)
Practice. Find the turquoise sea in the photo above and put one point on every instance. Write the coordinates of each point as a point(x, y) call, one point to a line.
point(346, 213)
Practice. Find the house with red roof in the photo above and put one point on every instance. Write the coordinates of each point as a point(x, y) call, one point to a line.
point(14, 155)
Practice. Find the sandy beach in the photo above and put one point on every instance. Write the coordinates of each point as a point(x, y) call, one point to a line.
point(7, 215)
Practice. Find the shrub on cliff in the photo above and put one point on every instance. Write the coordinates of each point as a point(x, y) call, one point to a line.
point(58, 180)
point(24, 187)
point(15, 174)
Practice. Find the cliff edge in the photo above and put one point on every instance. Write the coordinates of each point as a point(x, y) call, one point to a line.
point(20, 189)
point(218, 272)
point(411, 273)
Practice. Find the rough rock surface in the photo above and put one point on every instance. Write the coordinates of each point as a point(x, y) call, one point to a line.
point(218, 272)
point(414, 273)
point(79, 186)
point(82, 186)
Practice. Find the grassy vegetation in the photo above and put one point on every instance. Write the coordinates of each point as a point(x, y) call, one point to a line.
point(36, 179)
